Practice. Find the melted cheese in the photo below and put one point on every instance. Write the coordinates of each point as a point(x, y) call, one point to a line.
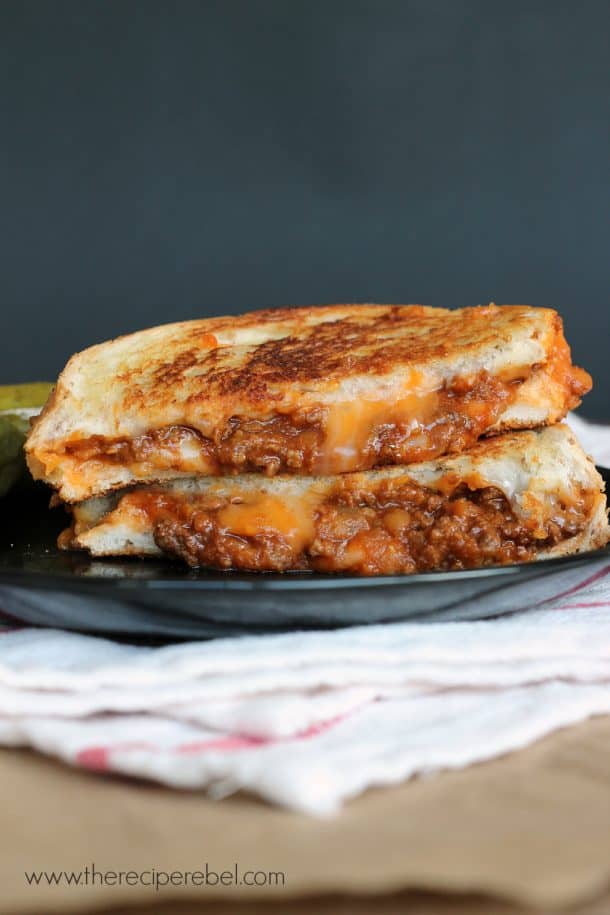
point(208, 341)
point(350, 427)
point(262, 513)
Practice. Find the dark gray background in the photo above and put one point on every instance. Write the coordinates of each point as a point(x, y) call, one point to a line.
point(167, 160)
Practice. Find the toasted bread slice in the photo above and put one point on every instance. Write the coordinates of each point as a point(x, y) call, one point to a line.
point(517, 497)
point(306, 390)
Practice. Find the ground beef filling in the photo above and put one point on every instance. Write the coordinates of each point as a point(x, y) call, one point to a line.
point(297, 442)
point(395, 529)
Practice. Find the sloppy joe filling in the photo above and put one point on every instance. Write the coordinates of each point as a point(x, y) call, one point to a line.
point(345, 437)
point(395, 527)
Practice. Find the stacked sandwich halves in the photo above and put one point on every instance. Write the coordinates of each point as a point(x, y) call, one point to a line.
point(364, 438)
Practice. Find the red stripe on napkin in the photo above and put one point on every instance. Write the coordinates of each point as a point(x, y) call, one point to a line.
point(601, 573)
point(98, 758)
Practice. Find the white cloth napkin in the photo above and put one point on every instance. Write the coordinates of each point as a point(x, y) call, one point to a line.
point(309, 719)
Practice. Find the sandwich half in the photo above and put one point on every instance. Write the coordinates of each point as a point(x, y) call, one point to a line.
point(516, 497)
point(322, 390)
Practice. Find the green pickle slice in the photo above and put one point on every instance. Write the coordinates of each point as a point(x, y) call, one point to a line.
point(18, 402)
point(15, 397)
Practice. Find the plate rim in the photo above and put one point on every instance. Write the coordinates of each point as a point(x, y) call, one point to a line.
point(278, 581)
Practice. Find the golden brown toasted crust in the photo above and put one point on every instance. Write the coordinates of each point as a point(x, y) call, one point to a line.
point(351, 341)
point(324, 351)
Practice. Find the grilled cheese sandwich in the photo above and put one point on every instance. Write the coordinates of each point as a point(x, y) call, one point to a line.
point(326, 390)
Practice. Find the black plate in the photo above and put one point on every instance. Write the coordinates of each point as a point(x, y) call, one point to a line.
point(41, 585)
